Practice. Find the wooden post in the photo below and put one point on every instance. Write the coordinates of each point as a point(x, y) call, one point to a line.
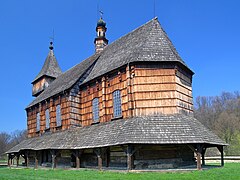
point(36, 160)
point(99, 162)
point(203, 156)
point(98, 152)
point(129, 157)
point(220, 148)
point(18, 155)
point(199, 154)
point(27, 159)
point(107, 157)
point(9, 160)
point(54, 162)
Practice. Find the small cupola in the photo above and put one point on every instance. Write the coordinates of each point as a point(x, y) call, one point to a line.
point(49, 72)
point(100, 41)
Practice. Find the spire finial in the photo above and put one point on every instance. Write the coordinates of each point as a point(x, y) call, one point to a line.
point(51, 45)
point(101, 14)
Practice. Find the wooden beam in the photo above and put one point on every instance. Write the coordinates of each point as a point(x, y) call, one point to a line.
point(9, 160)
point(99, 162)
point(220, 148)
point(108, 157)
point(203, 156)
point(36, 160)
point(18, 155)
point(129, 157)
point(27, 159)
point(54, 161)
point(98, 152)
point(198, 152)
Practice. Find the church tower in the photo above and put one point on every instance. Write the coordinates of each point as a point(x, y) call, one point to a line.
point(100, 41)
point(49, 72)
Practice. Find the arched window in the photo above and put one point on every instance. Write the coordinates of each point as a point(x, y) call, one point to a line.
point(47, 119)
point(95, 109)
point(117, 105)
point(38, 122)
point(58, 116)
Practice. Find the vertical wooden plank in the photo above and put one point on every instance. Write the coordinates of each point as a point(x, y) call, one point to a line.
point(103, 113)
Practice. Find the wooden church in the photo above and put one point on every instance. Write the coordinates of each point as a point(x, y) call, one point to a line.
point(128, 106)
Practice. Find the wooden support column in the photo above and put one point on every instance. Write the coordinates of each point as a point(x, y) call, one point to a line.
point(203, 156)
point(77, 153)
point(9, 160)
point(54, 158)
point(18, 155)
point(220, 148)
point(27, 158)
point(129, 157)
point(36, 160)
point(107, 157)
point(198, 151)
point(98, 152)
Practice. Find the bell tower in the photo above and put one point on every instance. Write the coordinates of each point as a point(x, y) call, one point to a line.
point(101, 40)
point(49, 72)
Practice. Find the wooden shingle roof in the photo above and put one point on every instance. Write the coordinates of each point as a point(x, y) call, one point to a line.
point(162, 129)
point(148, 43)
point(50, 67)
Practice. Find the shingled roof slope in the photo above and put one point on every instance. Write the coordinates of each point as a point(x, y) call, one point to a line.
point(147, 43)
point(50, 67)
point(171, 129)
point(65, 80)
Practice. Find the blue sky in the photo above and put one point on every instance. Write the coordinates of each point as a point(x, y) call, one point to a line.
point(205, 33)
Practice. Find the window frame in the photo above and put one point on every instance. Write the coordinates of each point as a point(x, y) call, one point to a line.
point(38, 119)
point(47, 119)
point(58, 116)
point(95, 110)
point(117, 104)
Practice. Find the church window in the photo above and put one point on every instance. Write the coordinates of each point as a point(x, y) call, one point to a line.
point(47, 119)
point(95, 109)
point(117, 105)
point(38, 122)
point(58, 116)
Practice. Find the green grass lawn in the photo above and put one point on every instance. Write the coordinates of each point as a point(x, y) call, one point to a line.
point(229, 172)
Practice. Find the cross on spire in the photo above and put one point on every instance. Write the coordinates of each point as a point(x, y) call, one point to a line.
point(101, 14)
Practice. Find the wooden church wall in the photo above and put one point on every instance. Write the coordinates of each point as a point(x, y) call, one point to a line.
point(161, 89)
point(154, 90)
point(103, 89)
point(184, 92)
point(51, 106)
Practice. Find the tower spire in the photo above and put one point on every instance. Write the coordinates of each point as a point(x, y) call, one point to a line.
point(101, 40)
point(49, 72)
